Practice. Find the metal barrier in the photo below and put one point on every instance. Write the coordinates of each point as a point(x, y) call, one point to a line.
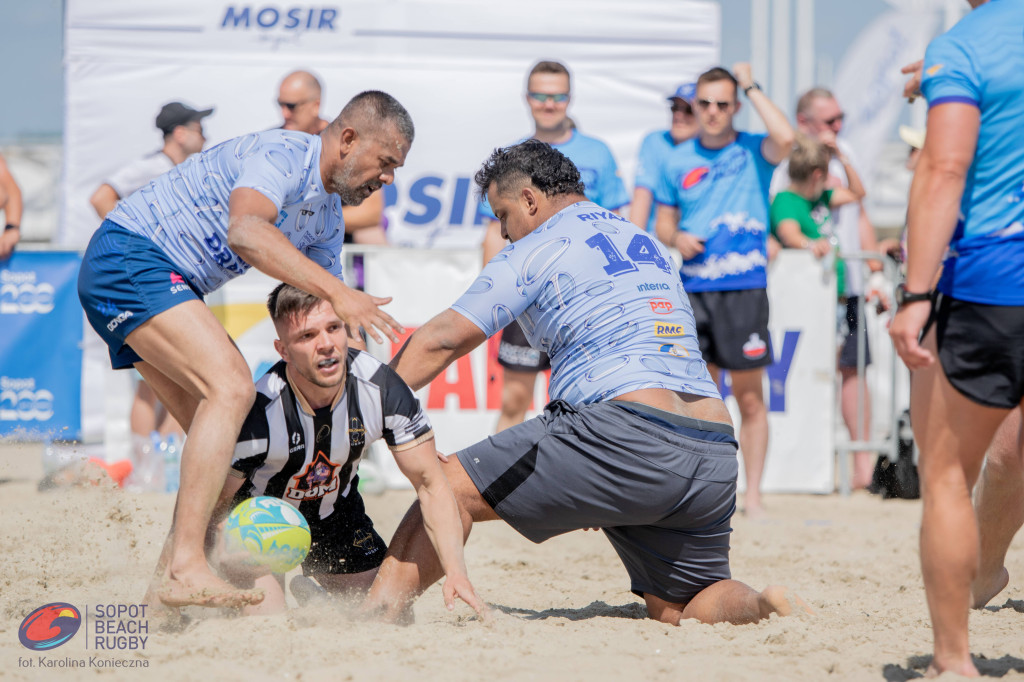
point(888, 446)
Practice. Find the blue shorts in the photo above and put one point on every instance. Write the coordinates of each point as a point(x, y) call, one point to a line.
point(125, 280)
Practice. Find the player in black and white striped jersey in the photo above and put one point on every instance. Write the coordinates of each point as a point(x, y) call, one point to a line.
point(316, 412)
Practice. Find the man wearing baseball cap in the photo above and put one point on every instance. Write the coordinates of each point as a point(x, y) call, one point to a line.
point(182, 128)
point(655, 148)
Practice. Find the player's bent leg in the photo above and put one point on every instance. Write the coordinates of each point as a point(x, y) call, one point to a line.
point(953, 433)
point(516, 395)
point(728, 601)
point(999, 504)
point(347, 585)
point(188, 346)
point(411, 564)
point(748, 387)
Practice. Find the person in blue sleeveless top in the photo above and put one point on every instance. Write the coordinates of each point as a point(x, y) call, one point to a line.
point(653, 151)
point(636, 442)
point(548, 93)
point(962, 341)
point(713, 207)
point(270, 200)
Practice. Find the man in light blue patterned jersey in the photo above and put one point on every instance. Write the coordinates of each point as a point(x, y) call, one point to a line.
point(655, 148)
point(636, 442)
point(548, 93)
point(269, 200)
point(962, 341)
point(713, 208)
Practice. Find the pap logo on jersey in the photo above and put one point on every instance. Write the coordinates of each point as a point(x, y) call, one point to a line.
point(755, 347)
point(116, 322)
point(660, 306)
point(356, 433)
point(315, 481)
point(663, 330)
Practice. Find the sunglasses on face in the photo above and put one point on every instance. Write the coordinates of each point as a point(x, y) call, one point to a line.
point(290, 106)
point(684, 108)
point(543, 97)
point(708, 103)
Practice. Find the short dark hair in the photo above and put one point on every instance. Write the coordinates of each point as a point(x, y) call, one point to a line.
point(286, 302)
point(808, 155)
point(371, 110)
point(532, 161)
point(716, 74)
point(550, 66)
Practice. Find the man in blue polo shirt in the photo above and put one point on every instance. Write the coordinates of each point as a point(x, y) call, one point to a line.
point(713, 208)
point(962, 341)
point(548, 92)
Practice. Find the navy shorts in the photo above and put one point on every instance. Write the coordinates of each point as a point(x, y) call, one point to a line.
point(732, 328)
point(125, 280)
point(662, 488)
point(980, 349)
point(516, 353)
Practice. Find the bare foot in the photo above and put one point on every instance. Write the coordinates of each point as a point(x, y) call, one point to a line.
point(964, 669)
point(781, 600)
point(206, 589)
point(982, 589)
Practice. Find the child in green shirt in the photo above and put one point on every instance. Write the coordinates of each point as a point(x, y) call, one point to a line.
point(801, 216)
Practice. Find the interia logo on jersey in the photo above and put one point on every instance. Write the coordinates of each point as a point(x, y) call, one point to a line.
point(20, 401)
point(20, 293)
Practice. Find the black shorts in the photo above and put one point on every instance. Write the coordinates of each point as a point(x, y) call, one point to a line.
point(732, 328)
point(662, 487)
point(848, 335)
point(980, 349)
point(516, 353)
point(345, 542)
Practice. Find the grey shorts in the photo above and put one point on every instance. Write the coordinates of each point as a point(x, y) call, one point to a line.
point(661, 487)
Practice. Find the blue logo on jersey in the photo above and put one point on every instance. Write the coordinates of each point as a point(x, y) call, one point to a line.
point(269, 17)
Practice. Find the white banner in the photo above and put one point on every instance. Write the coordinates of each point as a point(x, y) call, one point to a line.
point(459, 66)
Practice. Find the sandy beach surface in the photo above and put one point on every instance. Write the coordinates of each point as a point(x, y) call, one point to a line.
point(563, 610)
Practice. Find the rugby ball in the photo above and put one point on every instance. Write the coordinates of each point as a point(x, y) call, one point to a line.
point(271, 531)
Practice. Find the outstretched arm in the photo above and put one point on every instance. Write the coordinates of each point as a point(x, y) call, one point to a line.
point(441, 520)
point(447, 336)
point(779, 142)
point(253, 236)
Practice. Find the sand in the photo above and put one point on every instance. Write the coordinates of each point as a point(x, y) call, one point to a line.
point(563, 609)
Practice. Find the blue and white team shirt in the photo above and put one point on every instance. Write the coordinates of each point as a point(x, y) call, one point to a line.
point(185, 211)
point(600, 174)
point(980, 62)
point(654, 150)
point(601, 298)
point(722, 195)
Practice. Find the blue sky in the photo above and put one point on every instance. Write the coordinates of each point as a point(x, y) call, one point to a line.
point(31, 52)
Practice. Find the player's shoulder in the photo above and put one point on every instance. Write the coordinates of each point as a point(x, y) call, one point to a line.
point(657, 139)
point(588, 143)
point(272, 147)
point(272, 383)
point(366, 369)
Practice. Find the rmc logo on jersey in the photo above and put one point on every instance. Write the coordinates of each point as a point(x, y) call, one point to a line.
point(663, 330)
point(267, 17)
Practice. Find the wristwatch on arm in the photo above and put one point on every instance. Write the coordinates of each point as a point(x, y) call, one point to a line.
point(903, 297)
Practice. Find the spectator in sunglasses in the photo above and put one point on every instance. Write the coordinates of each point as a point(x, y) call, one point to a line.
point(548, 95)
point(712, 199)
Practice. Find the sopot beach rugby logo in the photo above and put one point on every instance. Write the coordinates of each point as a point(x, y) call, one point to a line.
point(49, 626)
